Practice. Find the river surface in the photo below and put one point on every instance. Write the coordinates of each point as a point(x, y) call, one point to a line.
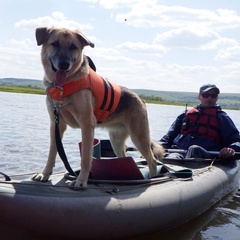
point(24, 140)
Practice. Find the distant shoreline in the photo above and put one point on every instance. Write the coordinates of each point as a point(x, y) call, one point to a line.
point(175, 98)
point(225, 104)
point(41, 91)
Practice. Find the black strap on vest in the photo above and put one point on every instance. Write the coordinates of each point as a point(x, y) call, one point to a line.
point(107, 86)
point(59, 145)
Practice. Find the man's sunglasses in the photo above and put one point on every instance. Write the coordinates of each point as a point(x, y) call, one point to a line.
point(207, 95)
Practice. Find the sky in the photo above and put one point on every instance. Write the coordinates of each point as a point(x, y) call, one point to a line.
point(169, 45)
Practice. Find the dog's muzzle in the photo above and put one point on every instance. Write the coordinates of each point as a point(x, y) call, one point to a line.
point(62, 65)
point(60, 71)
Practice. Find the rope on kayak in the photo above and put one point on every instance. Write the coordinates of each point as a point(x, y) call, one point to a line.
point(7, 178)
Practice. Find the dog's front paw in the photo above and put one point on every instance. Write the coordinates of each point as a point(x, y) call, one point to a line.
point(40, 177)
point(81, 182)
point(78, 185)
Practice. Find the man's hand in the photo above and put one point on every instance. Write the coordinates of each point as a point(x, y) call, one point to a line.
point(226, 153)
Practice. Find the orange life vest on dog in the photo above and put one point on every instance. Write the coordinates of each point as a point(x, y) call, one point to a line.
point(107, 94)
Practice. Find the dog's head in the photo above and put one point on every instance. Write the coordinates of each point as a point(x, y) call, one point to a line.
point(61, 52)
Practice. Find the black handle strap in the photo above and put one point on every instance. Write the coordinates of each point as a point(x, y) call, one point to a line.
point(7, 178)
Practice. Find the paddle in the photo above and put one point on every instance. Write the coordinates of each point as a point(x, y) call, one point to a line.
point(107, 151)
point(131, 149)
point(184, 151)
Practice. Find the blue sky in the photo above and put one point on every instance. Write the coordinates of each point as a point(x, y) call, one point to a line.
point(171, 45)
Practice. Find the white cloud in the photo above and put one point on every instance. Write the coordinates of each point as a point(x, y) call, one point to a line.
point(22, 44)
point(179, 16)
point(230, 54)
point(15, 62)
point(219, 43)
point(116, 4)
point(183, 37)
point(141, 47)
point(194, 38)
point(191, 69)
point(56, 19)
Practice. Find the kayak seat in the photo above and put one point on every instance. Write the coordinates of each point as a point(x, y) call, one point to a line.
point(115, 169)
point(106, 166)
point(121, 169)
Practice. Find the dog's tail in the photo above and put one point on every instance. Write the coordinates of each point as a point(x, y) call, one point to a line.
point(158, 150)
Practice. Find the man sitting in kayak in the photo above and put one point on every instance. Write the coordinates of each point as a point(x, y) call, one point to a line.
point(203, 128)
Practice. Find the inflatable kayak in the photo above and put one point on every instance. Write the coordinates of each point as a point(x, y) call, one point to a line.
point(119, 208)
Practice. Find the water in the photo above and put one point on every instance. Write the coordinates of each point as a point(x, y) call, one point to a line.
point(24, 140)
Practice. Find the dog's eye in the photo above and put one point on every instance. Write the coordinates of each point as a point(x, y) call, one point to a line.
point(73, 47)
point(55, 44)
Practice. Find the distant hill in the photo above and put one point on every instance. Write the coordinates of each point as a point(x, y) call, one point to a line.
point(21, 82)
point(226, 100)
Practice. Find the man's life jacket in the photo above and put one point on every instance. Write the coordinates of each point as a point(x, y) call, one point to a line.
point(202, 121)
point(107, 94)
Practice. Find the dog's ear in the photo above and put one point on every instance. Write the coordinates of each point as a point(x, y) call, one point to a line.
point(42, 35)
point(84, 40)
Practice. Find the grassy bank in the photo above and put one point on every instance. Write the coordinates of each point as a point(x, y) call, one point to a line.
point(22, 90)
point(41, 91)
point(163, 102)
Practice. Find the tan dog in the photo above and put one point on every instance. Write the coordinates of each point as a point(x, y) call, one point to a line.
point(63, 62)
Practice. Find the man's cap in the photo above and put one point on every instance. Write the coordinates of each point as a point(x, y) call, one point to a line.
point(207, 87)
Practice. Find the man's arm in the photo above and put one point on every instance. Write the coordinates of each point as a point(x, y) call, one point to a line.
point(167, 140)
point(229, 135)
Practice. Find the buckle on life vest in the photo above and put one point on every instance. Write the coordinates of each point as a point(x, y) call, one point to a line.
point(55, 95)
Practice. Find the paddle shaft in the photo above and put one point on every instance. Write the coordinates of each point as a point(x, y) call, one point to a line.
point(184, 151)
point(130, 149)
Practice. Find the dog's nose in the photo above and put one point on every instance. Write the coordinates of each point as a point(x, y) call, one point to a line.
point(63, 65)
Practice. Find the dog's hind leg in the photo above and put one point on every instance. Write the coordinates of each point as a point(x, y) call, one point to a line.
point(140, 136)
point(118, 137)
point(143, 144)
